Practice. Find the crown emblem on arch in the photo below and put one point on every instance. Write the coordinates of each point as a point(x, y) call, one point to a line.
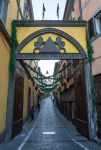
point(49, 46)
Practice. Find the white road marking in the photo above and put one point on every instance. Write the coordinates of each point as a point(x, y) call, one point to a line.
point(30, 132)
point(85, 148)
point(51, 133)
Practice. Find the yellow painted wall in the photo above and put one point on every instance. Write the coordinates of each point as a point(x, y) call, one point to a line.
point(25, 97)
point(78, 33)
point(4, 79)
point(11, 14)
point(35, 97)
point(28, 84)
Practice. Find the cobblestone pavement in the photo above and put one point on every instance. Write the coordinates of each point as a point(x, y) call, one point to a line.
point(52, 131)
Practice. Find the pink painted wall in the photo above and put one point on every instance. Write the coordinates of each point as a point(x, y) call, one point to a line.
point(90, 8)
point(76, 9)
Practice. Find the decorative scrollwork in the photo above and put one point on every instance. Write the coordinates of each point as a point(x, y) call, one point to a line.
point(60, 44)
point(38, 44)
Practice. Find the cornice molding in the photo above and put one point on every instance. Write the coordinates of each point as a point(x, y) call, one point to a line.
point(49, 23)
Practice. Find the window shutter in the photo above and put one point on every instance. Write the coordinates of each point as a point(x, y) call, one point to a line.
point(91, 28)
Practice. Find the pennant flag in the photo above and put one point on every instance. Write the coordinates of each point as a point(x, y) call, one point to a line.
point(58, 10)
point(44, 9)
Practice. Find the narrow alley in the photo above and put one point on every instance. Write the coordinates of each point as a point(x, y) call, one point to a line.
point(50, 75)
point(50, 131)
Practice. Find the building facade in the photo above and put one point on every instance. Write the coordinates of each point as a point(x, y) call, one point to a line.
point(71, 94)
point(25, 91)
point(64, 94)
point(90, 10)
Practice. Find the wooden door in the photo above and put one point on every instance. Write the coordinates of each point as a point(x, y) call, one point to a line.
point(18, 101)
point(80, 115)
point(97, 80)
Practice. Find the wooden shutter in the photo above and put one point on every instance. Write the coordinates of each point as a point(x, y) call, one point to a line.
point(91, 30)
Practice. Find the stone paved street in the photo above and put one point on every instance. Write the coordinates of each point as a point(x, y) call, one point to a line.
point(52, 131)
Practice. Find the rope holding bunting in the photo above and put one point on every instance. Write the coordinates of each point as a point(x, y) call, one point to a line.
point(43, 86)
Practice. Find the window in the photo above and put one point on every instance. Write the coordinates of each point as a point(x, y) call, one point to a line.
point(98, 22)
point(3, 10)
point(94, 25)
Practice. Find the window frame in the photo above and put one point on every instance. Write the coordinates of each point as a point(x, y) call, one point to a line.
point(96, 19)
point(97, 31)
point(93, 34)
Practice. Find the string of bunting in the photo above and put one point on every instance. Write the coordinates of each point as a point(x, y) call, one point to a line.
point(49, 77)
point(47, 85)
point(43, 86)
